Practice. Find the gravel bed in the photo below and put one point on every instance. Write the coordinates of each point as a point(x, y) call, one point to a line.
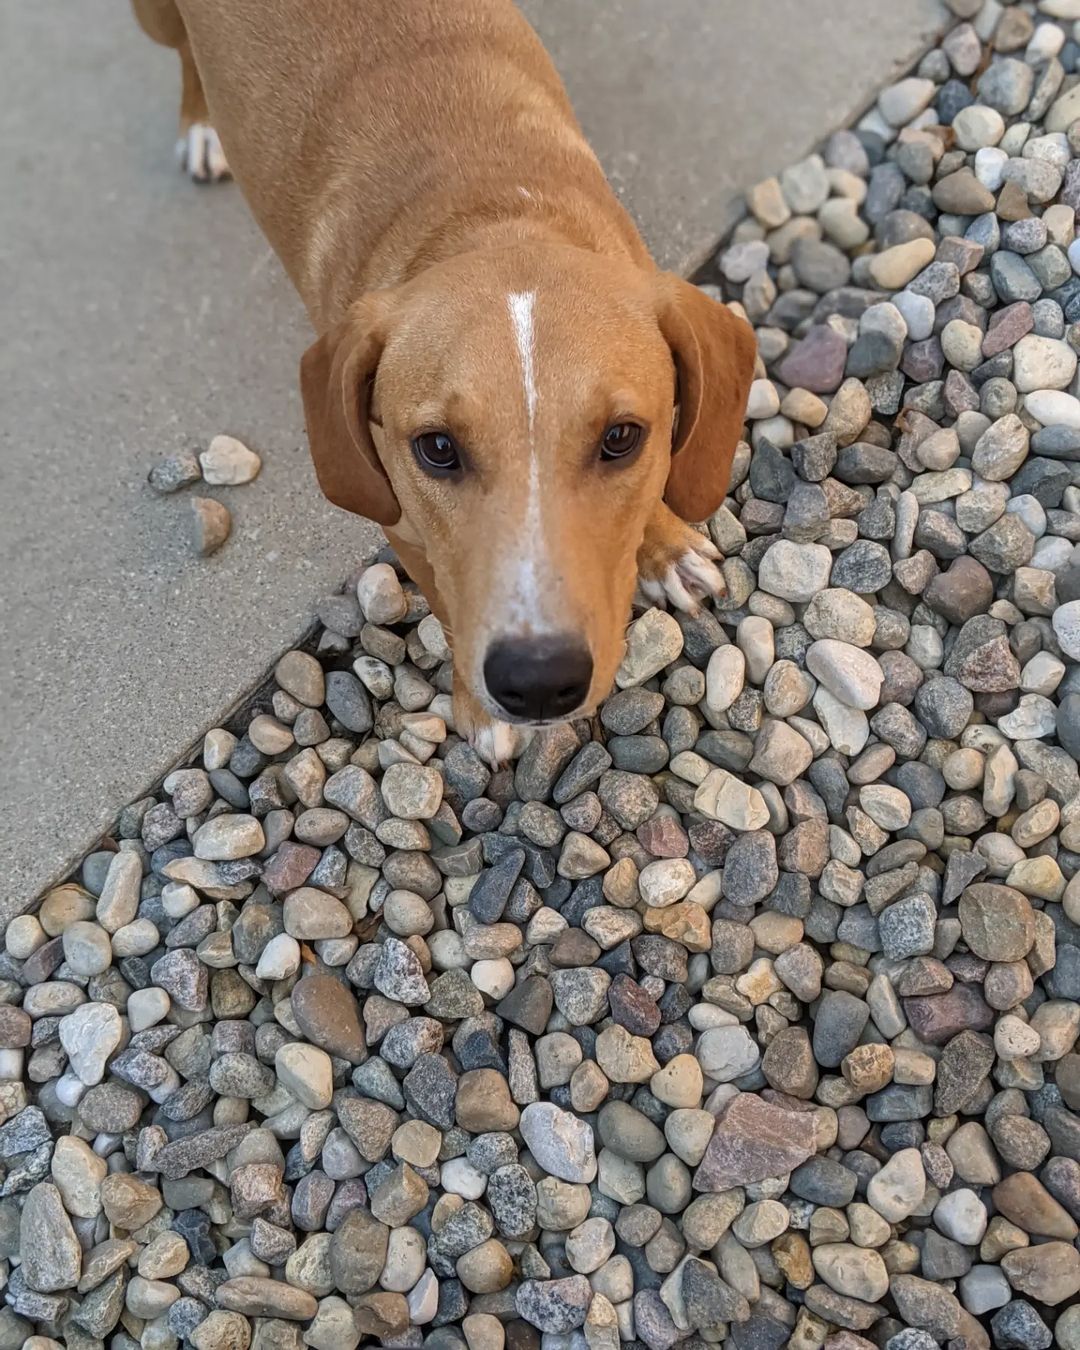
point(745, 1016)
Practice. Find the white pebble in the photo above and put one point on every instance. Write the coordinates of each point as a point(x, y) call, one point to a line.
point(917, 312)
point(1042, 674)
point(279, 959)
point(178, 899)
point(69, 1089)
point(1053, 407)
point(990, 167)
point(961, 1215)
point(977, 126)
point(423, 1299)
point(218, 746)
point(665, 882)
point(380, 594)
point(460, 1177)
point(1015, 1039)
point(847, 728)
point(307, 1073)
point(797, 572)
point(905, 99)
point(24, 936)
point(11, 1065)
point(135, 939)
point(228, 462)
point(725, 676)
point(147, 1007)
point(898, 1188)
point(849, 673)
point(757, 641)
point(495, 977)
point(764, 401)
point(1042, 363)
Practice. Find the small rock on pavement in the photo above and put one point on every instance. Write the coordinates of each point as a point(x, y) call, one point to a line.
point(227, 462)
point(211, 523)
point(174, 472)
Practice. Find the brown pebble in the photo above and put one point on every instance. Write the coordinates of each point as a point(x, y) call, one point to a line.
point(1025, 1200)
point(211, 524)
point(15, 1027)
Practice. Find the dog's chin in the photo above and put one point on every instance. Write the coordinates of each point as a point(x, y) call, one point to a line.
point(581, 715)
point(499, 714)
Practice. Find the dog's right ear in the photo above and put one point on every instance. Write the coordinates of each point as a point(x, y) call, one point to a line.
point(336, 374)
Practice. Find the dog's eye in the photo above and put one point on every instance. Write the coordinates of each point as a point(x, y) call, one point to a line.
point(620, 440)
point(437, 452)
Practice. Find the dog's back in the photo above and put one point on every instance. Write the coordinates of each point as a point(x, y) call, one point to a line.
point(359, 129)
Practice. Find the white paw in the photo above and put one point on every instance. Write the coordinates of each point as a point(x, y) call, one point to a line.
point(200, 154)
point(497, 743)
point(691, 578)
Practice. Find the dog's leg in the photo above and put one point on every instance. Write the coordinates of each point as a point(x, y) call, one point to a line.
point(198, 149)
point(677, 565)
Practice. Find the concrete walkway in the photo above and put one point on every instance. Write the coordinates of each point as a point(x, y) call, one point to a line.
point(141, 315)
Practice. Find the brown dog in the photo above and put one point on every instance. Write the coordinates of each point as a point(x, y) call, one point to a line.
point(504, 380)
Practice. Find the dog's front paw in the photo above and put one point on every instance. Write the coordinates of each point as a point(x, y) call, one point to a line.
point(497, 743)
point(677, 566)
point(200, 154)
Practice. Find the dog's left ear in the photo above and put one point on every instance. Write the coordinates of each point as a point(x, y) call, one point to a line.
point(714, 352)
point(336, 374)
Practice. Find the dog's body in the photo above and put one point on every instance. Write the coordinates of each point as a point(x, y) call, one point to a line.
point(354, 197)
point(418, 169)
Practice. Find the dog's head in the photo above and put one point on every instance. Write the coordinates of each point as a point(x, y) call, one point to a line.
point(521, 413)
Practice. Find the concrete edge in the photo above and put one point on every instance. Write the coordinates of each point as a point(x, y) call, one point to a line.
point(697, 264)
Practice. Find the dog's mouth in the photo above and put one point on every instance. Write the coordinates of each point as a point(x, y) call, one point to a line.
point(501, 714)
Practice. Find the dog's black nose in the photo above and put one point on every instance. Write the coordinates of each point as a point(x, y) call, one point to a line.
point(538, 678)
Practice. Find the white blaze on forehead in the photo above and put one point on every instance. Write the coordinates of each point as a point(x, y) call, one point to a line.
point(521, 305)
point(525, 589)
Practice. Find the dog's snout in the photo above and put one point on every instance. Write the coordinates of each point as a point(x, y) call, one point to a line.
point(536, 679)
